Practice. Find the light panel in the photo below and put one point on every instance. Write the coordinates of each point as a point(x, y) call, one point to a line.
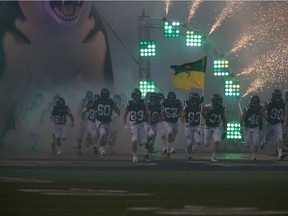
point(147, 48)
point(221, 68)
point(232, 88)
point(192, 39)
point(233, 131)
point(146, 86)
point(171, 29)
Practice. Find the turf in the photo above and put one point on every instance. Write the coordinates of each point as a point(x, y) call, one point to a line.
point(88, 191)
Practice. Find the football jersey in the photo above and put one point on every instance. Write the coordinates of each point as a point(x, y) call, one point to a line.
point(274, 110)
point(104, 109)
point(213, 117)
point(82, 104)
point(154, 112)
point(171, 111)
point(136, 111)
point(59, 114)
point(192, 114)
point(92, 113)
point(253, 117)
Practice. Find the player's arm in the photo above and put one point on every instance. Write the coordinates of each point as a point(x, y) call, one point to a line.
point(182, 116)
point(224, 121)
point(117, 111)
point(263, 111)
point(125, 116)
point(71, 117)
point(242, 118)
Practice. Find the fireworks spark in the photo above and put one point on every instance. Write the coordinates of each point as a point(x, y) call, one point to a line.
point(228, 11)
point(193, 7)
point(271, 28)
point(269, 69)
point(167, 6)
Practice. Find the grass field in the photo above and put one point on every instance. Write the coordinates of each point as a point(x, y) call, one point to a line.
point(39, 188)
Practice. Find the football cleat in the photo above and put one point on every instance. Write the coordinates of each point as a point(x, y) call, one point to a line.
point(135, 159)
point(213, 159)
point(280, 158)
point(189, 158)
point(59, 152)
point(103, 154)
point(146, 157)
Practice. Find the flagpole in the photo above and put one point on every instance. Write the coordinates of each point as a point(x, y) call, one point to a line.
point(201, 110)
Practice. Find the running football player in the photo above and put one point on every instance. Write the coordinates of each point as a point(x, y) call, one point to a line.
point(136, 108)
point(172, 108)
point(190, 117)
point(251, 119)
point(213, 113)
point(58, 120)
point(274, 111)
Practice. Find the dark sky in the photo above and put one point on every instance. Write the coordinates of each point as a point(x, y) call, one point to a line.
point(122, 16)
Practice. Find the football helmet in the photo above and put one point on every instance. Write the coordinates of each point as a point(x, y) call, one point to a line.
point(171, 97)
point(161, 95)
point(217, 99)
point(154, 98)
point(136, 94)
point(105, 93)
point(89, 95)
point(277, 95)
point(60, 101)
point(254, 100)
point(95, 97)
point(194, 98)
point(135, 90)
point(55, 98)
point(117, 98)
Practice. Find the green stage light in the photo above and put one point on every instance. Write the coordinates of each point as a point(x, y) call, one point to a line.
point(146, 86)
point(193, 39)
point(232, 88)
point(233, 131)
point(221, 68)
point(171, 29)
point(147, 48)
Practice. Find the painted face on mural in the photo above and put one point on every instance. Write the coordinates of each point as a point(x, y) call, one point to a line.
point(47, 44)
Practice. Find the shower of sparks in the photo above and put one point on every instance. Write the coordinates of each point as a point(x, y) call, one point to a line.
point(193, 7)
point(242, 43)
point(271, 28)
point(167, 6)
point(269, 69)
point(228, 11)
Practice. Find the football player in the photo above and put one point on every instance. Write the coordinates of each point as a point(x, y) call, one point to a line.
point(155, 125)
point(251, 119)
point(84, 121)
point(91, 123)
point(213, 113)
point(136, 108)
point(274, 111)
point(190, 117)
point(172, 108)
point(58, 119)
point(104, 106)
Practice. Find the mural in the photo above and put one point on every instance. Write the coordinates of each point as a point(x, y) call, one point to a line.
point(47, 46)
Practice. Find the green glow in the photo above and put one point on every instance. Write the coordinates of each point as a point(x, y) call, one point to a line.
point(171, 29)
point(147, 48)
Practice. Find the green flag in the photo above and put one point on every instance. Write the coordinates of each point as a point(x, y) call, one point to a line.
point(190, 75)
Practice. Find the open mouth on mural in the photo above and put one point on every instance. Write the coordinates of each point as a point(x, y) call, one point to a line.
point(66, 10)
